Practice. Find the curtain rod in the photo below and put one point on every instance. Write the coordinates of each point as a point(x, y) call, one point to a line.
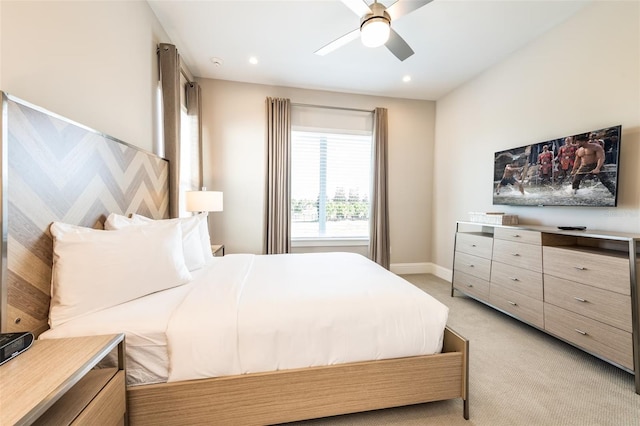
point(331, 107)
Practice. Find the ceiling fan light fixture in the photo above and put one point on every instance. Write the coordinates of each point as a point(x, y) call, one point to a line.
point(374, 32)
point(375, 27)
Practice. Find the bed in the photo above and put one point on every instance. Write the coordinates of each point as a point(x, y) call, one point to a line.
point(61, 172)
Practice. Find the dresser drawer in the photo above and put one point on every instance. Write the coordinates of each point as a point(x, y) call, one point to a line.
point(608, 272)
point(521, 255)
point(517, 304)
point(471, 285)
point(593, 336)
point(518, 235)
point(473, 265)
point(474, 244)
point(517, 279)
point(602, 305)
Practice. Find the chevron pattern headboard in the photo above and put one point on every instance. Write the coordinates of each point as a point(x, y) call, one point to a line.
point(57, 170)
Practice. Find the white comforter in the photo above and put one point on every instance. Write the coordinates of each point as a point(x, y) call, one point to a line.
point(247, 314)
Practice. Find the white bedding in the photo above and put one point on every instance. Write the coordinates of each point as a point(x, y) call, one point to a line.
point(246, 313)
point(144, 322)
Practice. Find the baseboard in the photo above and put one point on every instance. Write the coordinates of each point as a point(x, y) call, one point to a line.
point(421, 268)
point(444, 273)
point(411, 268)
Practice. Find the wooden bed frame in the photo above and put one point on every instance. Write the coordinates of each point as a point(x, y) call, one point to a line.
point(300, 394)
point(56, 170)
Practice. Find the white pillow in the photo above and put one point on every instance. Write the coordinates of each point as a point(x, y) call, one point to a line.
point(95, 269)
point(194, 257)
point(117, 221)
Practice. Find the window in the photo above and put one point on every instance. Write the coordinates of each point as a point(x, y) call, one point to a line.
point(330, 185)
point(186, 161)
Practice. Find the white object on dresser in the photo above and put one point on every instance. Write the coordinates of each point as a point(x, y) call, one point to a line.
point(54, 382)
point(577, 285)
point(493, 218)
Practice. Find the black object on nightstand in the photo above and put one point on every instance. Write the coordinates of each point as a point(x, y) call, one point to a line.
point(13, 344)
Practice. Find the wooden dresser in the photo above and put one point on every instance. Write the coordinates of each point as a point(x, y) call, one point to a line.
point(579, 286)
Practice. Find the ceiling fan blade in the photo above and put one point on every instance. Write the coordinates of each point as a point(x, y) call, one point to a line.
point(339, 42)
point(359, 7)
point(402, 7)
point(398, 46)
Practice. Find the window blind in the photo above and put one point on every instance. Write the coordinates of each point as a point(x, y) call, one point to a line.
point(331, 158)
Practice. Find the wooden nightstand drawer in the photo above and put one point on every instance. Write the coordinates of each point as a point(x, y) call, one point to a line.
point(109, 406)
point(591, 335)
point(609, 272)
point(517, 279)
point(602, 305)
point(474, 244)
point(527, 256)
point(98, 398)
point(518, 235)
point(517, 304)
point(473, 265)
point(471, 285)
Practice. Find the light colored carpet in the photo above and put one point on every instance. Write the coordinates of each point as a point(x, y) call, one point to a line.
point(518, 376)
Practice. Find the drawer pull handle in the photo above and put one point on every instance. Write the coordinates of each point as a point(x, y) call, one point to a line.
point(471, 265)
point(516, 235)
point(469, 285)
point(579, 299)
point(515, 254)
point(473, 245)
point(512, 303)
point(514, 279)
point(580, 268)
point(584, 333)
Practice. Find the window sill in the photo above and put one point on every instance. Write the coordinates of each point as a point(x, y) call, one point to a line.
point(329, 242)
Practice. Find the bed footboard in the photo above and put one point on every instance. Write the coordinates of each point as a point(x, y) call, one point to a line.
point(292, 395)
point(454, 342)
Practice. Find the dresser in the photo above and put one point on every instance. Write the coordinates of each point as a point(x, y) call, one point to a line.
point(578, 286)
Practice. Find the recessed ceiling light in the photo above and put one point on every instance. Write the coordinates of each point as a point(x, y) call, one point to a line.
point(253, 60)
point(406, 78)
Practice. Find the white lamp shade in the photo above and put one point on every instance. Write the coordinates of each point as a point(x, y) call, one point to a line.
point(375, 32)
point(204, 201)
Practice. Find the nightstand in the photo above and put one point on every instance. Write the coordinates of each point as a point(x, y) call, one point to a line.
point(54, 382)
point(217, 249)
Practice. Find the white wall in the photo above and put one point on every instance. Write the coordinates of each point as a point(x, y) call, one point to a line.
point(235, 160)
point(91, 61)
point(581, 76)
point(95, 62)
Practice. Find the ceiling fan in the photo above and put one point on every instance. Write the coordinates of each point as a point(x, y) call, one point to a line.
point(375, 26)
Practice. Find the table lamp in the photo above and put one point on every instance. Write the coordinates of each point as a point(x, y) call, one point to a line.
point(204, 201)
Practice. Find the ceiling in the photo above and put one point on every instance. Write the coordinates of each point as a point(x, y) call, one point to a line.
point(453, 40)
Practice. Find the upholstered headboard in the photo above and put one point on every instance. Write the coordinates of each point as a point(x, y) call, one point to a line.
point(56, 170)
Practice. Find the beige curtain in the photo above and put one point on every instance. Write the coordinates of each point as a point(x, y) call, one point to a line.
point(278, 213)
point(173, 87)
point(379, 223)
point(169, 64)
point(194, 109)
